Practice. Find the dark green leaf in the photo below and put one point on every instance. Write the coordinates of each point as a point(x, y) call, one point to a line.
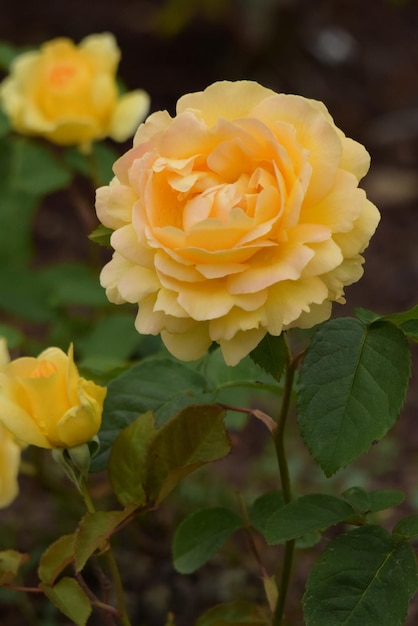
point(127, 460)
point(304, 515)
point(110, 343)
point(71, 284)
point(195, 436)
point(201, 535)
point(7, 54)
point(103, 158)
point(362, 577)
point(406, 528)
point(263, 508)
point(24, 293)
point(381, 499)
point(358, 498)
point(271, 355)
point(159, 384)
point(34, 170)
point(351, 388)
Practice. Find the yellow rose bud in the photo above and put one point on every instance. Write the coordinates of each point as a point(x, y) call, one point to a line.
point(45, 402)
point(9, 450)
point(68, 94)
point(239, 216)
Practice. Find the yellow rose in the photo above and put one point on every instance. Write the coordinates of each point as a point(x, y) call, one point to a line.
point(68, 94)
point(9, 450)
point(238, 217)
point(44, 401)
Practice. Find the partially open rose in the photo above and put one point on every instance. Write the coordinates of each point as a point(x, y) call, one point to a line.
point(238, 217)
point(68, 94)
point(45, 402)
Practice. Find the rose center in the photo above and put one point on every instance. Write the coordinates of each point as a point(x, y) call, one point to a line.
point(61, 74)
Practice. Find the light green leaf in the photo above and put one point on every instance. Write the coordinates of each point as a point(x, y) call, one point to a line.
point(304, 515)
point(362, 577)
point(127, 462)
point(101, 235)
point(56, 558)
point(94, 531)
point(192, 438)
point(10, 562)
point(351, 388)
point(237, 613)
point(201, 535)
point(70, 599)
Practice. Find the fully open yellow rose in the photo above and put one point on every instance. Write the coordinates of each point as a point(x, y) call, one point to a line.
point(9, 450)
point(68, 94)
point(45, 402)
point(238, 217)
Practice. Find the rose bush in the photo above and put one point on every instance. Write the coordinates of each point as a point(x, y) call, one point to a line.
point(9, 450)
point(45, 402)
point(238, 217)
point(68, 94)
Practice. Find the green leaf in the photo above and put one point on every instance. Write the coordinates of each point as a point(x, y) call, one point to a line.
point(34, 169)
point(110, 343)
point(159, 384)
point(7, 54)
point(13, 336)
point(406, 528)
point(127, 460)
point(16, 213)
point(304, 515)
point(10, 562)
point(104, 157)
point(381, 499)
point(238, 613)
point(271, 355)
point(72, 284)
point(351, 388)
point(55, 559)
point(94, 531)
point(23, 293)
point(263, 508)
point(70, 599)
point(101, 235)
point(5, 126)
point(201, 535)
point(195, 436)
point(410, 315)
point(358, 498)
point(362, 577)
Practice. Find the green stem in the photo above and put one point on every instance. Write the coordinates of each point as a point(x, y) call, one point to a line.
point(283, 583)
point(120, 596)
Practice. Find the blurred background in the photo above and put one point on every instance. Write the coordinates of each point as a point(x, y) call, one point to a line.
point(361, 59)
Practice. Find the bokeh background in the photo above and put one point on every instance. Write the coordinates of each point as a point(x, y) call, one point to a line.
point(360, 58)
